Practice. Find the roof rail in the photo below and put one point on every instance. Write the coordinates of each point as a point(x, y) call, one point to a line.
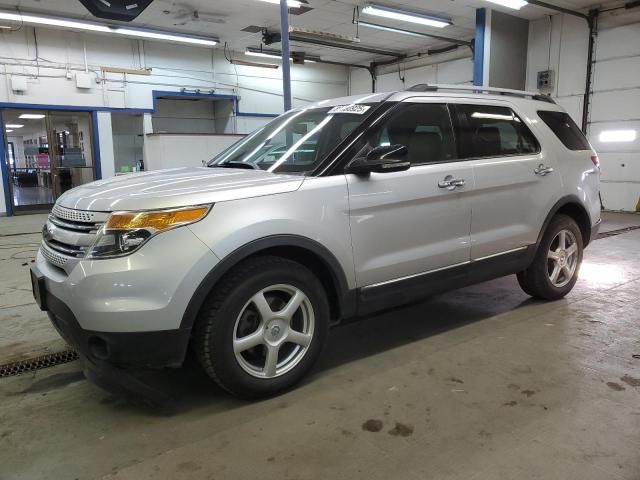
point(432, 87)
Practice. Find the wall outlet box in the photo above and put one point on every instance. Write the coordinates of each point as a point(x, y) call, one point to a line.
point(83, 80)
point(18, 84)
point(546, 80)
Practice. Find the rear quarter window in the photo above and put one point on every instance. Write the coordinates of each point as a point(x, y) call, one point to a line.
point(563, 126)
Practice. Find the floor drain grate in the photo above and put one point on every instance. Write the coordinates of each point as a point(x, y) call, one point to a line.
point(620, 231)
point(37, 363)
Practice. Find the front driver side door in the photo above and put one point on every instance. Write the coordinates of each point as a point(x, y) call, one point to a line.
point(405, 225)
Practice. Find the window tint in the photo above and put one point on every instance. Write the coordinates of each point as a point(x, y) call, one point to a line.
point(565, 129)
point(424, 128)
point(490, 131)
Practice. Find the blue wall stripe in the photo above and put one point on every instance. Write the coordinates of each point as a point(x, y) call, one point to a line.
point(478, 49)
point(3, 171)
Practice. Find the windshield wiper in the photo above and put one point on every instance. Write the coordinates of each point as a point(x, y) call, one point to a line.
point(246, 166)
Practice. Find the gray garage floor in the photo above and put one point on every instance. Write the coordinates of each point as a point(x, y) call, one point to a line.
point(477, 383)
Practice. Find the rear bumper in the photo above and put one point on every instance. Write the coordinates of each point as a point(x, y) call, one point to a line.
point(152, 349)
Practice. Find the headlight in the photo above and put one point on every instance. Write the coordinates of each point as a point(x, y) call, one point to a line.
point(125, 232)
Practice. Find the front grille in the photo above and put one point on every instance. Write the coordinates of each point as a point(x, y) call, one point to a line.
point(69, 233)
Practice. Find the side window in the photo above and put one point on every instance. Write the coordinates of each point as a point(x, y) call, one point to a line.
point(491, 131)
point(565, 129)
point(424, 128)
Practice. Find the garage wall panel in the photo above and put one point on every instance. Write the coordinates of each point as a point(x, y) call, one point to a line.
point(618, 73)
point(615, 102)
point(617, 105)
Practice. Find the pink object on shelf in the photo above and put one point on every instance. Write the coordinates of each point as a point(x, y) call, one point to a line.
point(42, 160)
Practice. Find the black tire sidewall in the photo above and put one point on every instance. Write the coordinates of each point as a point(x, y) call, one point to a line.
point(560, 222)
point(227, 369)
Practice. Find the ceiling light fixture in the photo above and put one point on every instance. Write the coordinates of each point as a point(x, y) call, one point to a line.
point(259, 52)
point(610, 136)
point(171, 37)
point(13, 125)
point(290, 3)
point(515, 4)
point(388, 29)
point(8, 130)
point(103, 28)
point(32, 116)
point(406, 16)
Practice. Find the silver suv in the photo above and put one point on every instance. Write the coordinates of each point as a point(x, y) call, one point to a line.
point(332, 211)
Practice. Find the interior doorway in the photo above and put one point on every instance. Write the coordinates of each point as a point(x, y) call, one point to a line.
point(47, 153)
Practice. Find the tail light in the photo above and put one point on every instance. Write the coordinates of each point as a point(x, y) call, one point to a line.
point(596, 161)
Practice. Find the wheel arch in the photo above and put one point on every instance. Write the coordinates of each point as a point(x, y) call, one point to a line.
point(572, 207)
point(308, 252)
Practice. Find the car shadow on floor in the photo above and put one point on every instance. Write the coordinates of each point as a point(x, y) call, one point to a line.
point(191, 388)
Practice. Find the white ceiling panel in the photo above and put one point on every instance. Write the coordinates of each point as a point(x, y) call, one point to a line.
point(225, 19)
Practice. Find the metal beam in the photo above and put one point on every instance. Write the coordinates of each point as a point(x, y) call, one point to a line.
point(354, 47)
point(542, 4)
point(286, 67)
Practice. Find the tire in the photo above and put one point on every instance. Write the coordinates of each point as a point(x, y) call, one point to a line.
point(538, 280)
point(244, 321)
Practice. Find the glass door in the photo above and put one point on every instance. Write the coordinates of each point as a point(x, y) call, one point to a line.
point(71, 150)
point(47, 153)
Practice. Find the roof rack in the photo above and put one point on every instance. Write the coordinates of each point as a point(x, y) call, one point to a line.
point(432, 87)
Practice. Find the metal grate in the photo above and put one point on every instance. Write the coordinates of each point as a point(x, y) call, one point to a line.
point(37, 363)
point(73, 215)
point(613, 233)
point(57, 260)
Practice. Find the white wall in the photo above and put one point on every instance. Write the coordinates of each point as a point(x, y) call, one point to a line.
point(450, 71)
point(168, 151)
point(173, 67)
point(560, 43)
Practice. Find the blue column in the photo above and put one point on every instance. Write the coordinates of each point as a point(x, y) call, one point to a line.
point(286, 67)
point(478, 51)
point(4, 171)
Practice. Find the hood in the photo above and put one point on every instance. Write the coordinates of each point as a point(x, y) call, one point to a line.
point(176, 187)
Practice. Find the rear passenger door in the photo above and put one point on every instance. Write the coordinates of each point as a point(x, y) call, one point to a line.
point(515, 182)
point(409, 223)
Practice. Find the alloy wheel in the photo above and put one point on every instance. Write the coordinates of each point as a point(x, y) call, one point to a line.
point(273, 331)
point(562, 258)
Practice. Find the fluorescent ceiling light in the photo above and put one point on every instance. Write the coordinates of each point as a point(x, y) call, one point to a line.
point(55, 22)
point(32, 116)
point(103, 28)
point(610, 136)
point(388, 29)
point(515, 4)
point(406, 16)
point(13, 125)
point(8, 130)
point(290, 3)
point(154, 35)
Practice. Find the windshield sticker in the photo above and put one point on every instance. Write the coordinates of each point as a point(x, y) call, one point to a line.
point(354, 108)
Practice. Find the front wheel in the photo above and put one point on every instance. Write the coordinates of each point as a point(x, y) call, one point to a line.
point(263, 327)
point(554, 270)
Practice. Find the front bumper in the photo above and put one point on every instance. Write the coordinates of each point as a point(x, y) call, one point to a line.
point(153, 349)
point(127, 311)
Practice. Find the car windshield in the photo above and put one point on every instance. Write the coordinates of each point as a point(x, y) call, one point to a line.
point(295, 142)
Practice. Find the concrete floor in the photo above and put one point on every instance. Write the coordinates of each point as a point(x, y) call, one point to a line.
point(479, 383)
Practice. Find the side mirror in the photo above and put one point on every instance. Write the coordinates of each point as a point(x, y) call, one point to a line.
point(383, 159)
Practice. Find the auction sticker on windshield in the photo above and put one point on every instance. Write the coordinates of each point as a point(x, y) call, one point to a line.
point(357, 109)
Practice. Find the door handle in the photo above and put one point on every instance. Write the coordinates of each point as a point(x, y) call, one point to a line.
point(542, 170)
point(451, 183)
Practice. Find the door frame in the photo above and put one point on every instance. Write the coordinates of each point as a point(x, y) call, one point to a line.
point(95, 143)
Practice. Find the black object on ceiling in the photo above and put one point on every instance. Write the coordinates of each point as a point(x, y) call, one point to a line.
point(121, 10)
